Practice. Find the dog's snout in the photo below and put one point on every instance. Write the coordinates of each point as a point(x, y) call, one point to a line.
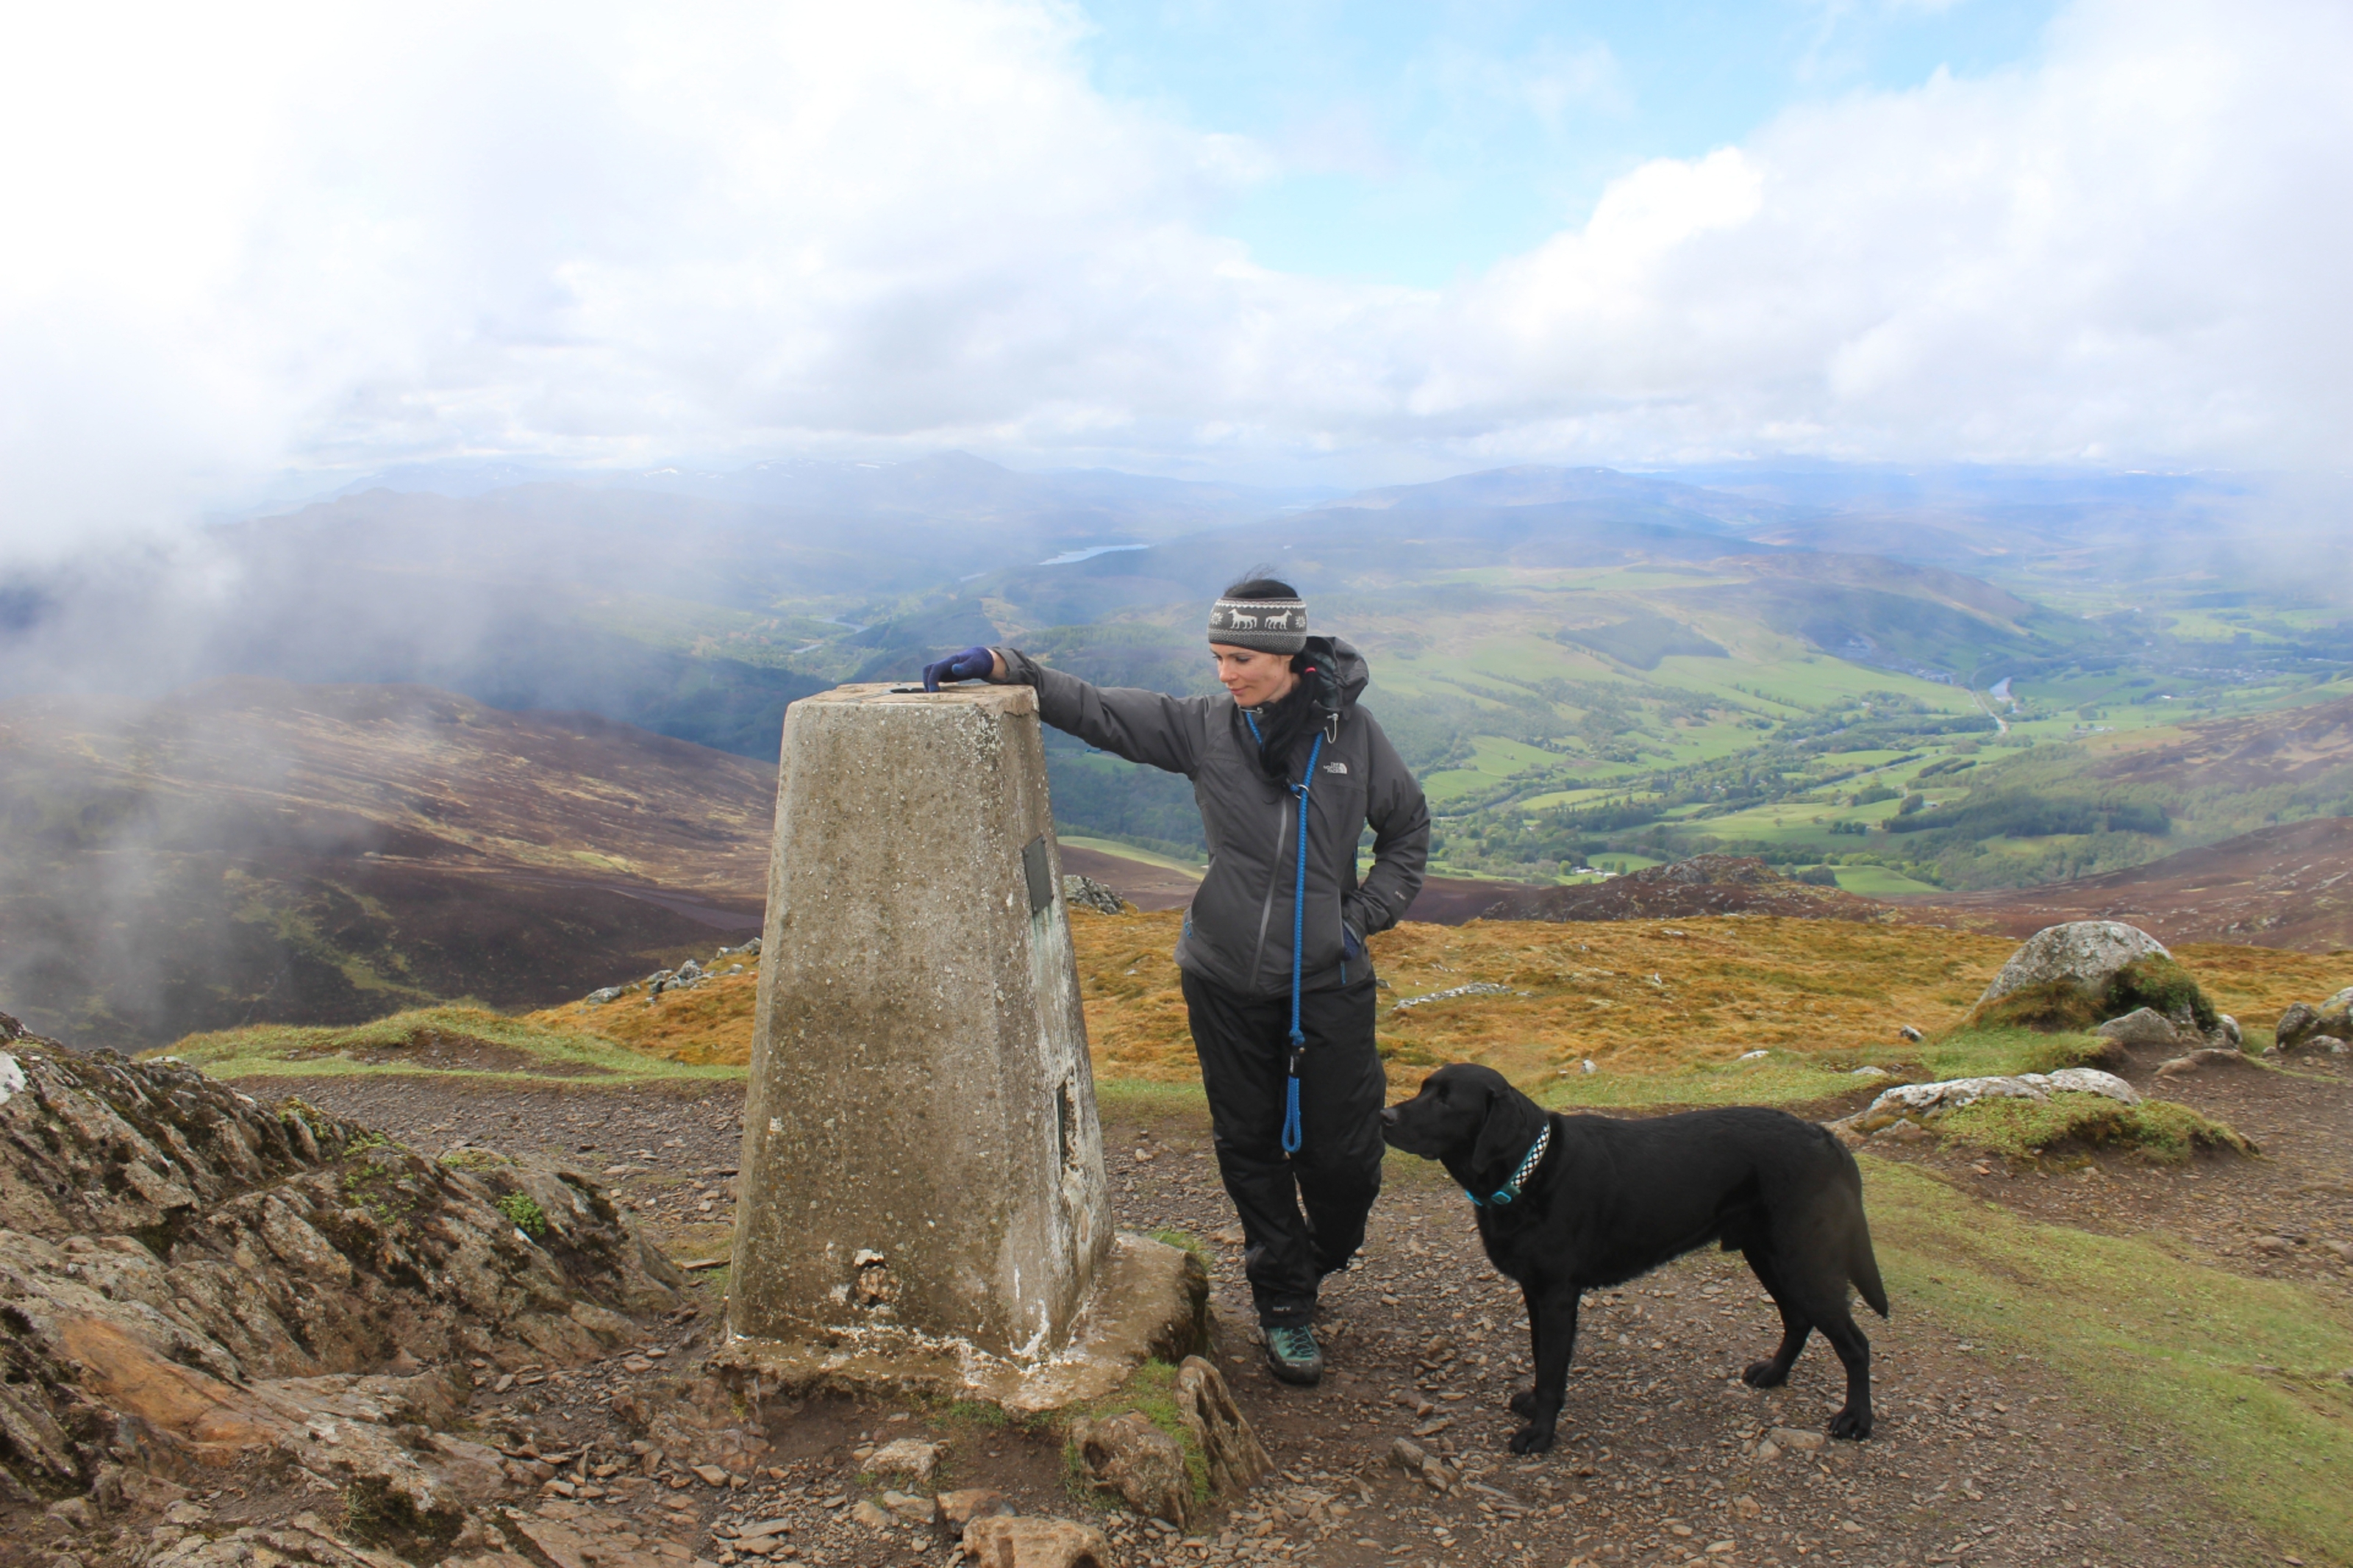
point(1389, 1117)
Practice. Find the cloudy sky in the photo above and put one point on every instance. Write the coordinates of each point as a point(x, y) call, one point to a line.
point(1319, 240)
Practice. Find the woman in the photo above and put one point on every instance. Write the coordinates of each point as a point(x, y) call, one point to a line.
point(1278, 985)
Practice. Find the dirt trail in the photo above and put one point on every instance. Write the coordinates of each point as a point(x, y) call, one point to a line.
point(1978, 1458)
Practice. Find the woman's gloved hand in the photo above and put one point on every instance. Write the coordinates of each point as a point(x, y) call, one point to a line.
point(972, 664)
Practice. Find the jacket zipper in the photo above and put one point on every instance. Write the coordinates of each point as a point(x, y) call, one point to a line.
point(1273, 878)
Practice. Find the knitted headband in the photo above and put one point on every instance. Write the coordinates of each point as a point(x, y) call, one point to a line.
point(1268, 626)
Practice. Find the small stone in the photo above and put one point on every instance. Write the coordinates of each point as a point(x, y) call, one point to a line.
point(1406, 1455)
point(710, 1475)
point(960, 1508)
point(2274, 1244)
point(905, 1457)
point(1909, 1033)
point(1004, 1541)
point(871, 1517)
point(1766, 1451)
point(1791, 1438)
point(77, 1512)
point(907, 1505)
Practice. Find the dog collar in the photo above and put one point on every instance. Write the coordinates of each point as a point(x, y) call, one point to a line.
point(1511, 1189)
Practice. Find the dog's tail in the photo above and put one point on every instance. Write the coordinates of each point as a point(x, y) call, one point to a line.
point(1861, 1262)
point(1862, 1268)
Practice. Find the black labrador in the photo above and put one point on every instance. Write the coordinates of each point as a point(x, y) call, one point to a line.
point(1604, 1200)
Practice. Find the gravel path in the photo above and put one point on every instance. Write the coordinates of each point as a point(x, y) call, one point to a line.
point(1664, 1456)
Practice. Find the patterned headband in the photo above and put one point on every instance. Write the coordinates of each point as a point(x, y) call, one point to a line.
point(1268, 626)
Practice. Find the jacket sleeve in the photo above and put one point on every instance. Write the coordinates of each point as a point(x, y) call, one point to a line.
point(1400, 823)
point(1148, 727)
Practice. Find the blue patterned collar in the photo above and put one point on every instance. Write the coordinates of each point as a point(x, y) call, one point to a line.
point(1511, 1189)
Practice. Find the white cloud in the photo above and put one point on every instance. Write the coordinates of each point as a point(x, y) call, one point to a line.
point(348, 236)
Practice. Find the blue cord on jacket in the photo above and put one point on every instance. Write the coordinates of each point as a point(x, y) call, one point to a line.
point(1290, 1136)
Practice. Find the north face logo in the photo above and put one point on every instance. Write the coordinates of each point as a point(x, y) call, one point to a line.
point(1335, 767)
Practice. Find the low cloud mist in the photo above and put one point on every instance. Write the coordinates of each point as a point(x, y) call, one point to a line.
point(327, 241)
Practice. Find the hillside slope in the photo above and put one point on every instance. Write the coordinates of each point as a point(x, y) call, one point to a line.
point(252, 850)
point(2289, 887)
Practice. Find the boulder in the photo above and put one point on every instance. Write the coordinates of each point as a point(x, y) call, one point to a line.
point(2300, 1020)
point(2086, 952)
point(1000, 1541)
point(2141, 1027)
point(1144, 1466)
point(1236, 1458)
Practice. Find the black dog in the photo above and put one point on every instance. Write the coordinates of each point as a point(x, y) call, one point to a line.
point(1571, 1204)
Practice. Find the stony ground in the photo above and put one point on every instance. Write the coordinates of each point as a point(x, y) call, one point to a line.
point(1665, 1457)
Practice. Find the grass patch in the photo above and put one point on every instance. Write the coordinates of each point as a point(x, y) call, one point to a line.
point(1635, 996)
point(2240, 1375)
point(710, 1025)
point(524, 1212)
point(453, 1042)
point(2157, 1129)
point(1184, 1239)
point(375, 1515)
point(2003, 1052)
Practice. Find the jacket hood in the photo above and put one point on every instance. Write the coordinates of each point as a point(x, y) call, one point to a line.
point(1350, 673)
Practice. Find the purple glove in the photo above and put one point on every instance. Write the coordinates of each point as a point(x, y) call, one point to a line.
point(972, 664)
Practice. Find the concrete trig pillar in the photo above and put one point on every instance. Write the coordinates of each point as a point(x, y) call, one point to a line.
point(921, 1152)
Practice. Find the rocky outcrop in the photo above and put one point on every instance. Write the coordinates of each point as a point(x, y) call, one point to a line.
point(190, 1278)
point(1088, 893)
point(2085, 954)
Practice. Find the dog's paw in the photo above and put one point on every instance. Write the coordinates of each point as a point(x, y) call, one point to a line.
point(1765, 1374)
point(1850, 1427)
point(1523, 1405)
point(1532, 1439)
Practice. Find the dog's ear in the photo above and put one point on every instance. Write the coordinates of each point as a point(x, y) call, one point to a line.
point(1505, 1130)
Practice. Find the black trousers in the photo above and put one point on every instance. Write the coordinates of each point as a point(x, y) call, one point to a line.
point(1244, 1046)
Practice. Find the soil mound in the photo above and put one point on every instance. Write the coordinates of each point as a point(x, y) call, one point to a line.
point(1703, 885)
point(194, 1281)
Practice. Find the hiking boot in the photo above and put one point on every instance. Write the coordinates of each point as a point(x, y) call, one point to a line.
point(1292, 1355)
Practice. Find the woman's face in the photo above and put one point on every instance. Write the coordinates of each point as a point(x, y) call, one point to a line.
point(1255, 678)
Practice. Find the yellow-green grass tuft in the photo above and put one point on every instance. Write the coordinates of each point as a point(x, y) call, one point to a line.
point(2157, 1130)
point(451, 1041)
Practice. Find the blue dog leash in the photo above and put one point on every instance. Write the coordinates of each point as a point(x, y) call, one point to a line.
point(1511, 1189)
point(1291, 1138)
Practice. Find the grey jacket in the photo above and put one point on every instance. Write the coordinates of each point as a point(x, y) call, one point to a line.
point(1238, 930)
